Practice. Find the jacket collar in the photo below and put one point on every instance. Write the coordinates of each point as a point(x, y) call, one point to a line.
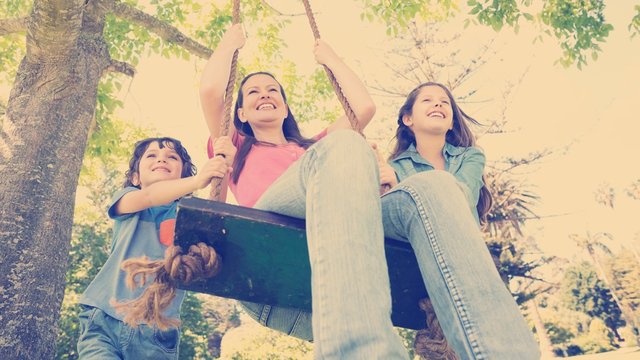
point(412, 153)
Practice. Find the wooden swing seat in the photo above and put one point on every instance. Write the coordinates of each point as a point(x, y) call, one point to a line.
point(265, 259)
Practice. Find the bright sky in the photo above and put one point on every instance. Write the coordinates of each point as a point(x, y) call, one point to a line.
point(593, 110)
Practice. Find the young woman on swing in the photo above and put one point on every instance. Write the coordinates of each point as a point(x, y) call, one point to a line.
point(330, 181)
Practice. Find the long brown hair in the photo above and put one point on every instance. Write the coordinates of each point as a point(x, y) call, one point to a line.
point(289, 128)
point(459, 135)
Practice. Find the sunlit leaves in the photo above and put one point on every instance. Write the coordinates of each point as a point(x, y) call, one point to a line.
point(579, 26)
point(126, 41)
point(12, 46)
point(12, 49)
point(582, 290)
point(110, 140)
point(397, 13)
point(315, 98)
point(634, 26)
point(15, 8)
point(496, 13)
point(213, 30)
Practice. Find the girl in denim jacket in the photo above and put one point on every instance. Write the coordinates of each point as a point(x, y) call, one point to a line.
point(436, 199)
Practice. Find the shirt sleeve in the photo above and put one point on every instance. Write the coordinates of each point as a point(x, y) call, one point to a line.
point(114, 200)
point(470, 174)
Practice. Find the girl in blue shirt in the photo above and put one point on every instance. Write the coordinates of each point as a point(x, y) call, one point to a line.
point(437, 196)
point(160, 172)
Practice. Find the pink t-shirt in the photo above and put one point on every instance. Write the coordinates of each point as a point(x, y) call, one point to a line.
point(264, 164)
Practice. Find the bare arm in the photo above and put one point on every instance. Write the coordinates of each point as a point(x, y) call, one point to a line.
point(164, 192)
point(215, 77)
point(352, 87)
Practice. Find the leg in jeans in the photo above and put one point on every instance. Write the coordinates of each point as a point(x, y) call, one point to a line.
point(105, 338)
point(478, 315)
point(334, 185)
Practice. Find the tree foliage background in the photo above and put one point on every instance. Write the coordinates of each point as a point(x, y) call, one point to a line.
point(66, 62)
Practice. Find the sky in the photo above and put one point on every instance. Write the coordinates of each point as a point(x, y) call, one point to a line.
point(587, 117)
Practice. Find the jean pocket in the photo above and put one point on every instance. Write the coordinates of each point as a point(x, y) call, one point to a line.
point(167, 340)
point(85, 317)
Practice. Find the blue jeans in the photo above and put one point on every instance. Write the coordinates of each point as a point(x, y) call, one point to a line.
point(104, 337)
point(335, 186)
point(478, 315)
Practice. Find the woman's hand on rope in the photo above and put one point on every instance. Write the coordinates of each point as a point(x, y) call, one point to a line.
point(323, 53)
point(388, 177)
point(233, 39)
point(216, 167)
point(223, 146)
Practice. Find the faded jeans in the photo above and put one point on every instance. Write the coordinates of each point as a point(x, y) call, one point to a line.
point(334, 185)
point(103, 337)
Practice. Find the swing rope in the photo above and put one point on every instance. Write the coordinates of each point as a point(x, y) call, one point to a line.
point(216, 185)
point(336, 87)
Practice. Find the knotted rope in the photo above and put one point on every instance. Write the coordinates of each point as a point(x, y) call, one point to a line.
point(200, 262)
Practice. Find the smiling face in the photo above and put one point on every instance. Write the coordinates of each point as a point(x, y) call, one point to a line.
point(157, 163)
point(262, 102)
point(431, 112)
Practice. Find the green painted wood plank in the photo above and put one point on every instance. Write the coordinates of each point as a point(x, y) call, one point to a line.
point(265, 259)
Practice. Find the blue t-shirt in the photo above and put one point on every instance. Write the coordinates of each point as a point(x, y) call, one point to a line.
point(466, 164)
point(134, 235)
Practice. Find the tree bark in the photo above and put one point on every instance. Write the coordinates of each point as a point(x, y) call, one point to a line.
point(45, 130)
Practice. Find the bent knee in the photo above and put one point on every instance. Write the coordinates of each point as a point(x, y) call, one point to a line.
point(347, 144)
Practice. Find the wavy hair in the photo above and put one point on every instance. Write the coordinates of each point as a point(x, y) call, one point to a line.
point(289, 128)
point(188, 168)
point(459, 135)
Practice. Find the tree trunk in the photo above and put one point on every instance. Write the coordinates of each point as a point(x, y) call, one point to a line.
point(546, 348)
point(627, 314)
point(48, 117)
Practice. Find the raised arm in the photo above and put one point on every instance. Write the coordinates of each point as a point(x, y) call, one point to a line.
point(164, 192)
point(215, 77)
point(352, 87)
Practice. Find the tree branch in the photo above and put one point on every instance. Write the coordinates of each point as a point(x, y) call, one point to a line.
point(165, 31)
point(14, 25)
point(280, 13)
point(121, 67)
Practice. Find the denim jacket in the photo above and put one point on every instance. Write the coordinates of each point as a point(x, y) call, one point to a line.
point(466, 164)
